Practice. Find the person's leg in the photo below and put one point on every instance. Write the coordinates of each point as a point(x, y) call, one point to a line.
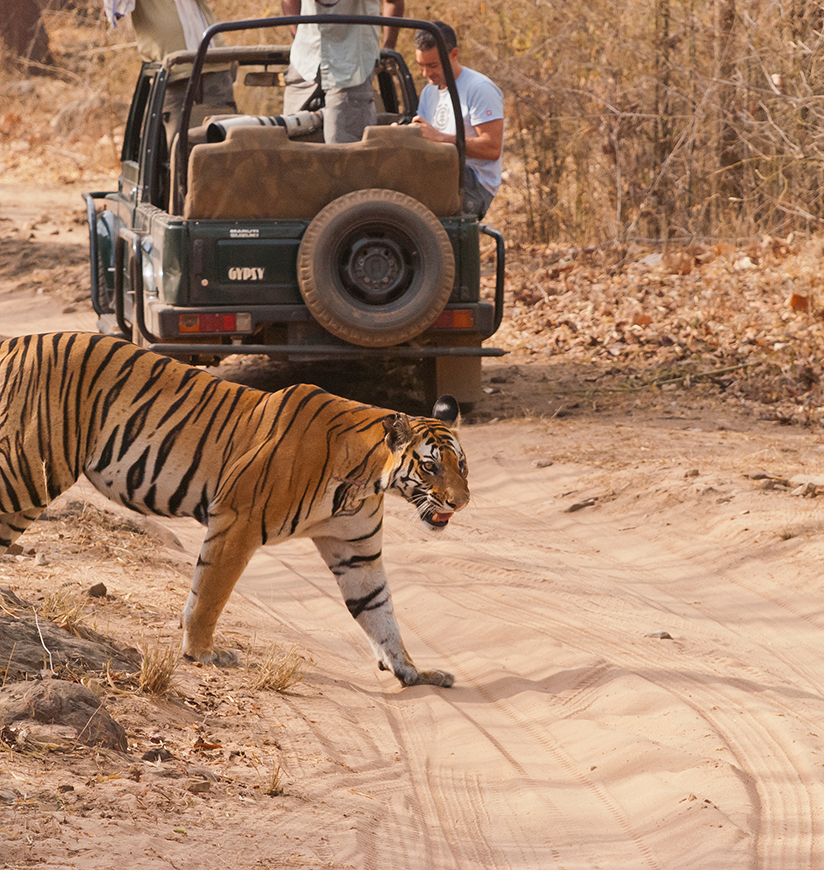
point(349, 111)
point(219, 91)
point(173, 108)
point(297, 91)
point(477, 198)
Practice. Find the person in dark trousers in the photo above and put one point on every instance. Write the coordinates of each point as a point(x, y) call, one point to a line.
point(339, 61)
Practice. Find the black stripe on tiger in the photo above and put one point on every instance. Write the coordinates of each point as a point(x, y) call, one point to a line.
point(356, 606)
point(370, 534)
point(136, 474)
point(353, 562)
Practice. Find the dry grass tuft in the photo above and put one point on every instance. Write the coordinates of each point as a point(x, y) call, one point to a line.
point(279, 671)
point(14, 739)
point(64, 607)
point(157, 669)
point(105, 532)
point(275, 786)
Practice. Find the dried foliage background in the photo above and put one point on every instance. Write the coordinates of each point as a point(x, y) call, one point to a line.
point(657, 121)
point(625, 121)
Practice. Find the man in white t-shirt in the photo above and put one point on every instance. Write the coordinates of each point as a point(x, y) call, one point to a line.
point(339, 61)
point(482, 107)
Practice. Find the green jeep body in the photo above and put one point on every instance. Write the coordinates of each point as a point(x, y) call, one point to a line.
point(255, 242)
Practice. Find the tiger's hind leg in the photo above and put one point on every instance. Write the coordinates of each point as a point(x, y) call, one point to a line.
point(226, 550)
point(13, 525)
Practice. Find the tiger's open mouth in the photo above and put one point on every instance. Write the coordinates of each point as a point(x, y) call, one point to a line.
point(437, 519)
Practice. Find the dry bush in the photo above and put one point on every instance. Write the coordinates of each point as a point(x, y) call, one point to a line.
point(624, 121)
point(68, 125)
point(157, 669)
point(279, 671)
point(653, 121)
point(64, 607)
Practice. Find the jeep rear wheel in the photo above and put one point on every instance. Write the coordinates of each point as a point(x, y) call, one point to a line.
point(375, 267)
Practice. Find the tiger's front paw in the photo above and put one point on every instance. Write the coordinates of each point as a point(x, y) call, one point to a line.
point(435, 678)
point(220, 658)
point(431, 678)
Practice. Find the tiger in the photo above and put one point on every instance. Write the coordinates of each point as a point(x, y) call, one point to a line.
point(161, 437)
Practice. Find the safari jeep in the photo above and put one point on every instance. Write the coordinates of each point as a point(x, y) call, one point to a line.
point(248, 234)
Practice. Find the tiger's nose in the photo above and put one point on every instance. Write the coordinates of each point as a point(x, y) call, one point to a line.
point(456, 505)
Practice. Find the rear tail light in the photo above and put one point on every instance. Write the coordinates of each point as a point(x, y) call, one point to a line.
point(227, 323)
point(455, 318)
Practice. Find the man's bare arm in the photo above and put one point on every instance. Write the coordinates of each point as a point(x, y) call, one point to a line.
point(291, 7)
point(487, 145)
point(391, 9)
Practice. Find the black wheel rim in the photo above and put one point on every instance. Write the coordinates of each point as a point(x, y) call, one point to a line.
point(376, 264)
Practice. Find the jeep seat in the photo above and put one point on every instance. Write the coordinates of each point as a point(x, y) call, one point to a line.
point(259, 173)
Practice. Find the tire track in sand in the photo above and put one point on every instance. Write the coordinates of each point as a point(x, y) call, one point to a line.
point(788, 798)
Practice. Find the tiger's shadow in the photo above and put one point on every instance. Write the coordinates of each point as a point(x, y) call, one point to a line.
point(396, 384)
point(562, 688)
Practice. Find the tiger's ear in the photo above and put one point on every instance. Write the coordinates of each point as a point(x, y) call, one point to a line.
point(398, 431)
point(448, 411)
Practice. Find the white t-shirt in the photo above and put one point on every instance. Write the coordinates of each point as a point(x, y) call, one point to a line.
point(345, 53)
point(481, 101)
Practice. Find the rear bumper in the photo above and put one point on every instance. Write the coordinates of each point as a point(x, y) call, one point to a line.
point(323, 351)
point(159, 325)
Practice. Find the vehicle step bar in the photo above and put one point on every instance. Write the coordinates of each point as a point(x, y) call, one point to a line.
point(321, 351)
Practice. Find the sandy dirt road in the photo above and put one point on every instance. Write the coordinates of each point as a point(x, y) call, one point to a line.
point(635, 625)
point(572, 739)
point(575, 737)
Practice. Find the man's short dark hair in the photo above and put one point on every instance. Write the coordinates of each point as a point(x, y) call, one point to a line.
point(425, 41)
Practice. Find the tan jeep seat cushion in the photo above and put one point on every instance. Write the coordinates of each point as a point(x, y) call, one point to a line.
point(258, 172)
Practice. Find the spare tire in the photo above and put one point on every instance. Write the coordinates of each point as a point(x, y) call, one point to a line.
point(375, 267)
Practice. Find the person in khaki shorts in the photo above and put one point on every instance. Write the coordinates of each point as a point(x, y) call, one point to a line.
point(165, 26)
point(339, 61)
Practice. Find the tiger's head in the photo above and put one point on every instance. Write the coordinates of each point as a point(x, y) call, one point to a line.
point(430, 469)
